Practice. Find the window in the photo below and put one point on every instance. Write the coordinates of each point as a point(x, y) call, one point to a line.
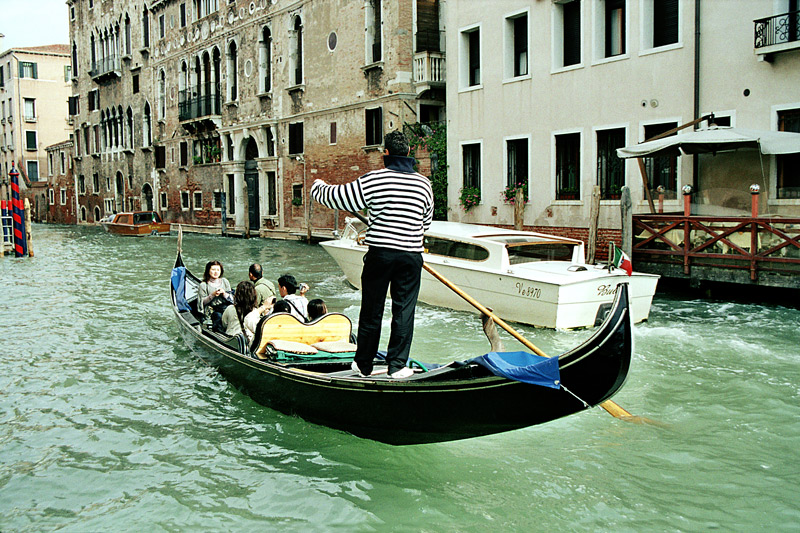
point(30, 140)
point(516, 53)
point(67, 73)
point(451, 248)
point(96, 183)
point(50, 165)
point(198, 200)
point(265, 61)
point(74, 58)
point(63, 197)
point(665, 22)
point(610, 168)
point(517, 163)
point(63, 163)
point(297, 194)
point(470, 58)
point(233, 74)
point(217, 200)
point(127, 35)
point(662, 170)
point(374, 25)
point(568, 24)
point(30, 109)
point(270, 141)
point(162, 26)
point(28, 70)
point(296, 138)
point(161, 157)
point(614, 27)
point(471, 162)
point(94, 100)
point(184, 154)
point(71, 12)
point(231, 203)
point(147, 126)
point(184, 200)
point(51, 197)
point(108, 183)
point(135, 83)
point(788, 165)
point(162, 95)
point(2, 83)
point(333, 133)
point(568, 167)
point(73, 104)
point(145, 28)
point(374, 119)
point(163, 201)
point(296, 54)
point(81, 184)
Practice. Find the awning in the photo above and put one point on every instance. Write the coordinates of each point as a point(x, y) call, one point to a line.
point(716, 139)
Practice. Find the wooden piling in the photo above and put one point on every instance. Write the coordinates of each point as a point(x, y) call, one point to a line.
point(626, 216)
point(519, 210)
point(594, 219)
point(28, 227)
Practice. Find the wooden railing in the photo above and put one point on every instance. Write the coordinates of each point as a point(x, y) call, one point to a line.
point(757, 244)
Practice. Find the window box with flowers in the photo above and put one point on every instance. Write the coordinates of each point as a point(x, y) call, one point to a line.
point(509, 194)
point(568, 193)
point(470, 197)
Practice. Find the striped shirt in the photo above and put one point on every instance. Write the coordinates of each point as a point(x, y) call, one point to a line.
point(399, 200)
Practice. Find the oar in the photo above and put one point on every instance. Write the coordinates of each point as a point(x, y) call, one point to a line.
point(610, 406)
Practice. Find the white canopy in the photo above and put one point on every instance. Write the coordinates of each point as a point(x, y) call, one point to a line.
point(716, 139)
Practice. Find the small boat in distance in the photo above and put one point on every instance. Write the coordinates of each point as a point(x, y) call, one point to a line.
point(136, 223)
point(531, 278)
point(439, 402)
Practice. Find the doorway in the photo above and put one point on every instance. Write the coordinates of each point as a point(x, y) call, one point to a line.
point(251, 179)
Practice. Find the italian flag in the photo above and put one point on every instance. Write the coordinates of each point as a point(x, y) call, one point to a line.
point(621, 260)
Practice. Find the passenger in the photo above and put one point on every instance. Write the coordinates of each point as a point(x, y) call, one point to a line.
point(281, 306)
point(287, 286)
point(264, 288)
point(214, 296)
point(243, 315)
point(316, 308)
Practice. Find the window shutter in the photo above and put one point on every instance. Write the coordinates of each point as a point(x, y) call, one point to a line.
point(21, 70)
point(35, 70)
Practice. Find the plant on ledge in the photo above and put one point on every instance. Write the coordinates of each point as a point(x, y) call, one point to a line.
point(297, 201)
point(470, 197)
point(509, 194)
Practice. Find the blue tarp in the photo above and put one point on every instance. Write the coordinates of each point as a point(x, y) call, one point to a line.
point(522, 366)
point(178, 285)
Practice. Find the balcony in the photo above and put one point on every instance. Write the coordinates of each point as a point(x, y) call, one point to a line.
point(194, 108)
point(105, 68)
point(778, 33)
point(429, 71)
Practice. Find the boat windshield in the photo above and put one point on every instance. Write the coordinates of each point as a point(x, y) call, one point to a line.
point(145, 218)
point(534, 252)
point(457, 249)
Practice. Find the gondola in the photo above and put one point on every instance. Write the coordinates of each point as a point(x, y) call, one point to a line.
point(458, 400)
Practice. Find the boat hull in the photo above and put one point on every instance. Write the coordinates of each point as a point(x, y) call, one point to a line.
point(449, 403)
point(137, 230)
point(524, 296)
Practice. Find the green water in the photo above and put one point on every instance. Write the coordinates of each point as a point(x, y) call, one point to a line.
point(110, 423)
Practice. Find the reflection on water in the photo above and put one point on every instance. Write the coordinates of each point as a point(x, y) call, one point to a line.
point(107, 418)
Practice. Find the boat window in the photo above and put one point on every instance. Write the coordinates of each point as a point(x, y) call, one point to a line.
point(531, 253)
point(460, 250)
point(124, 219)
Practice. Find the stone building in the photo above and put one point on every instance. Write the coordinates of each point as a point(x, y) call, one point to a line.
point(34, 86)
point(61, 189)
point(229, 109)
point(543, 93)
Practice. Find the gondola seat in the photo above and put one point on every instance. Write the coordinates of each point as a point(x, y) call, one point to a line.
point(330, 328)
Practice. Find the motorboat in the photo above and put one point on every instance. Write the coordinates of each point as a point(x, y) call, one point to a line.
point(530, 278)
point(136, 223)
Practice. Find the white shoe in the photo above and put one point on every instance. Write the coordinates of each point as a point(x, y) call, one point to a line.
point(404, 372)
point(354, 368)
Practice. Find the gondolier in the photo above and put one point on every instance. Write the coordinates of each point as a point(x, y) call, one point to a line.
point(400, 204)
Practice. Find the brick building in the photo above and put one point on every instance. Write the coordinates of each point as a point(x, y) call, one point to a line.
point(205, 108)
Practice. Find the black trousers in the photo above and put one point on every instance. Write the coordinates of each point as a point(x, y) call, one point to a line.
point(400, 272)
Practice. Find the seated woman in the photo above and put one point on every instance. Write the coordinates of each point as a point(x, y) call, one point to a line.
point(214, 296)
point(243, 315)
point(316, 308)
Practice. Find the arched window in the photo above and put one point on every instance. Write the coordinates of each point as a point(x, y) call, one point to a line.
point(265, 62)
point(296, 54)
point(147, 126)
point(162, 95)
point(74, 58)
point(127, 34)
point(93, 46)
point(233, 76)
point(145, 28)
point(129, 121)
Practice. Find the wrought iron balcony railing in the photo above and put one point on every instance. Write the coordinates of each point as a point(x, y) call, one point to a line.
point(192, 106)
point(104, 66)
point(777, 30)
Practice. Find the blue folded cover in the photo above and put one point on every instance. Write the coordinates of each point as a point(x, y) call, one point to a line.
point(178, 285)
point(522, 366)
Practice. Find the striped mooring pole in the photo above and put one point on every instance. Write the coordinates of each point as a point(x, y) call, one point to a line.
point(20, 242)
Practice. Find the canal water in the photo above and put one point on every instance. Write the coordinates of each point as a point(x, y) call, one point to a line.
point(110, 423)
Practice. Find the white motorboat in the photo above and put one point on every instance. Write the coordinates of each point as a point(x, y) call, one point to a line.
point(523, 276)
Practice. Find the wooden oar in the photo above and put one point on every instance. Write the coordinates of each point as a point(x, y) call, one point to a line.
point(610, 406)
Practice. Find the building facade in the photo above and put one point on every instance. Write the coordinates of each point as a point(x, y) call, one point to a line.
point(227, 110)
point(34, 87)
point(543, 93)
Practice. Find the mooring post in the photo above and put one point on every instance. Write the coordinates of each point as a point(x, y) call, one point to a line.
point(28, 226)
point(754, 192)
point(660, 190)
point(687, 212)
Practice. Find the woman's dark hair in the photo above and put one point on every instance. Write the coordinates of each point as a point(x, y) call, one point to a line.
point(288, 281)
point(244, 298)
point(281, 306)
point(316, 308)
point(207, 276)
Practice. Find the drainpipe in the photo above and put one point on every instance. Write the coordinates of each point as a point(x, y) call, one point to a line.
point(695, 165)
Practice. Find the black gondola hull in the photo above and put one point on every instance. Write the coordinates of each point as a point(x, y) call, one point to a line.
point(458, 403)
